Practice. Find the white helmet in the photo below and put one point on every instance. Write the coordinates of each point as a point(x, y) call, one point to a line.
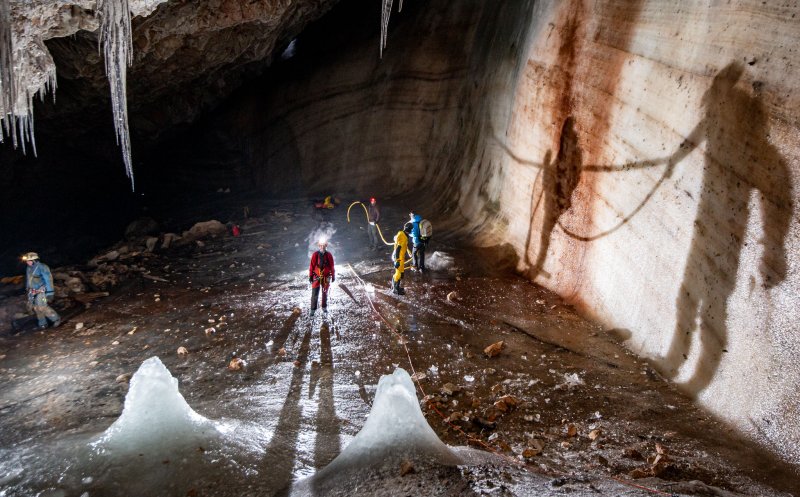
point(30, 256)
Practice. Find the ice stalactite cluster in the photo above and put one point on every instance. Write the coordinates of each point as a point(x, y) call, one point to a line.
point(27, 68)
point(386, 12)
point(6, 69)
point(117, 46)
point(16, 98)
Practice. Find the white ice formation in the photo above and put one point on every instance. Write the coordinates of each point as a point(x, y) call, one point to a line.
point(395, 430)
point(116, 40)
point(155, 416)
point(16, 89)
point(386, 12)
point(27, 68)
point(7, 92)
point(440, 261)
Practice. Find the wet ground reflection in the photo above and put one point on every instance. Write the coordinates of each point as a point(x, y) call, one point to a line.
point(308, 383)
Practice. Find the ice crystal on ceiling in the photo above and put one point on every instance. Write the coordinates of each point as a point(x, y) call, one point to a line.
point(7, 92)
point(116, 43)
point(386, 11)
point(17, 86)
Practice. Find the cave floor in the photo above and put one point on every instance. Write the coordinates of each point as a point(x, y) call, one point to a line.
point(584, 416)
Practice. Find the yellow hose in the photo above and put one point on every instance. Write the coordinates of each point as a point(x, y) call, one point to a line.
point(366, 213)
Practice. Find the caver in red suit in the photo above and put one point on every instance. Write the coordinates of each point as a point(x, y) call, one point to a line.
point(321, 274)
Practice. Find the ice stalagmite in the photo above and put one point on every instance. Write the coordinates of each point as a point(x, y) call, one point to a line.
point(155, 417)
point(117, 45)
point(395, 431)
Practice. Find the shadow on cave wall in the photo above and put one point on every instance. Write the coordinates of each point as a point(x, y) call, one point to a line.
point(559, 180)
point(739, 159)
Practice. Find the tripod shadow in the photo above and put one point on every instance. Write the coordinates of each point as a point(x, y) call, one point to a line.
point(739, 160)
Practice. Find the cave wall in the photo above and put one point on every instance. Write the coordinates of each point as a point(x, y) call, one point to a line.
point(337, 118)
point(650, 177)
point(638, 157)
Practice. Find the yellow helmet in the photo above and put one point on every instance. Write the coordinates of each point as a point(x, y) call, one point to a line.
point(30, 256)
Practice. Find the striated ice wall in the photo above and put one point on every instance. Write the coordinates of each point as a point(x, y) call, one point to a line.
point(639, 158)
point(660, 192)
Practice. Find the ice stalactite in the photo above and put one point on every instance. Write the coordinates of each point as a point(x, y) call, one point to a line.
point(7, 93)
point(16, 95)
point(386, 12)
point(116, 41)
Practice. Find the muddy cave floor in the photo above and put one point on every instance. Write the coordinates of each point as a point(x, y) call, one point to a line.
point(593, 414)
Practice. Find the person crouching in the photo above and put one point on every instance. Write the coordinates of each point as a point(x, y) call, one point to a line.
point(321, 274)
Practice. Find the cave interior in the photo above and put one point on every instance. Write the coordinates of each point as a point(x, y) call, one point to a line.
point(613, 190)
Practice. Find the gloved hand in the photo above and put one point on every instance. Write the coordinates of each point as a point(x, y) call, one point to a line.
point(372, 223)
point(311, 279)
point(333, 278)
point(397, 264)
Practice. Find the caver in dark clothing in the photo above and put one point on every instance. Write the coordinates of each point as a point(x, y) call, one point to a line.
point(418, 251)
point(372, 228)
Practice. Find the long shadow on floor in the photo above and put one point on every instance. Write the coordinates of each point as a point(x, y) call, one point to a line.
point(283, 446)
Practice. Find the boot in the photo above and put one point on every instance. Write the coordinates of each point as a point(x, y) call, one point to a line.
point(396, 289)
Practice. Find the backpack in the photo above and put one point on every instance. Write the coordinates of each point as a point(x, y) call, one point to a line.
point(425, 229)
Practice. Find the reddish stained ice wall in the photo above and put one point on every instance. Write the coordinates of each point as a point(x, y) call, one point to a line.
point(639, 158)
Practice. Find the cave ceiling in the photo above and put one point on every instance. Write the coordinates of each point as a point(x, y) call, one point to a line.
point(188, 55)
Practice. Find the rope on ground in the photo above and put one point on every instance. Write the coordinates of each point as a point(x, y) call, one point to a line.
point(475, 441)
point(640, 487)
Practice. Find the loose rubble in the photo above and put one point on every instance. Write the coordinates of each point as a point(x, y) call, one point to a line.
point(566, 407)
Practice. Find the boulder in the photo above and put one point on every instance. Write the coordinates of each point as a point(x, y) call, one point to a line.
point(205, 229)
point(75, 285)
point(144, 226)
point(150, 243)
point(103, 280)
point(168, 239)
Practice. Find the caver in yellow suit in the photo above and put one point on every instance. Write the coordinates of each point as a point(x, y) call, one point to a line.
point(399, 257)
